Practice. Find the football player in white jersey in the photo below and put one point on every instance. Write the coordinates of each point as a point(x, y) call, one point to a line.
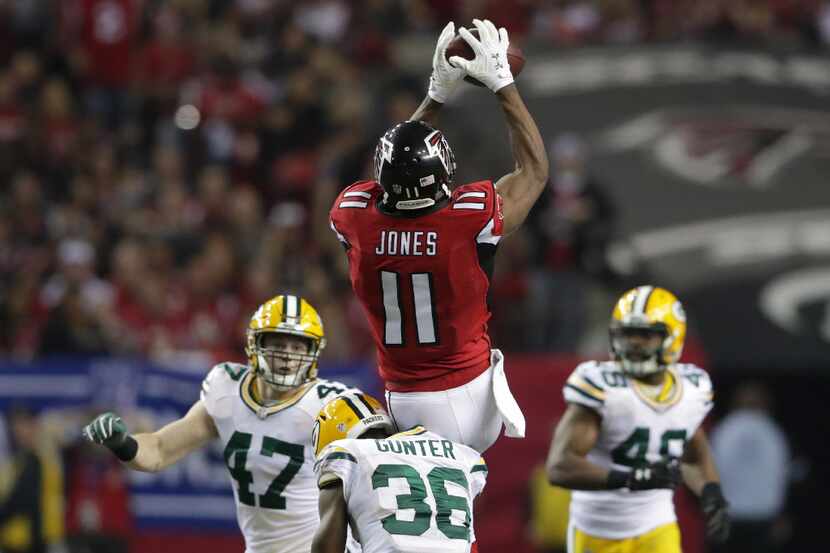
point(404, 492)
point(263, 412)
point(631, 433)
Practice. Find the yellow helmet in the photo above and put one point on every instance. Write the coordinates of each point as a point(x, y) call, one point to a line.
point(647, 309)
point(287, 315)
point(349, 416)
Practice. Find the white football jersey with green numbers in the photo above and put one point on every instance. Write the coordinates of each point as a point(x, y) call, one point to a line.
point(270, 457)
point(411, 492)
point(634, 429)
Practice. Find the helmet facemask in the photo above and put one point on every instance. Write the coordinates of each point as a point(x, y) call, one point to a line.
point(639, 347)
point(284, 360)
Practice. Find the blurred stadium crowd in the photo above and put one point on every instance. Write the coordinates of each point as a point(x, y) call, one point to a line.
point(169, 164)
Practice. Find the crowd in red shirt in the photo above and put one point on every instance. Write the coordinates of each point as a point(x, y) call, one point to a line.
point(167, 166)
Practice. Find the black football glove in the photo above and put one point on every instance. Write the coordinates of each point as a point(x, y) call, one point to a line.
point(110, 431)
point(647, 476)
point(716, 512)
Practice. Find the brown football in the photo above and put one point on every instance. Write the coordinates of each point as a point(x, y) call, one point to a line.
point(459, 47)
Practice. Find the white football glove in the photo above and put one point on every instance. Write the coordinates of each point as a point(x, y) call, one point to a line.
point(445, 76)
point(490, 65)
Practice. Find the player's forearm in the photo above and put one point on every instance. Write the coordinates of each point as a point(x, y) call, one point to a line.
point(156, 451)
point(331, 534)
point(324, 542)
point(696, 475)
point(168, 445)
point(528, 147)
point(693, 477)
point(576, 473)
point(317, 545)
point(427, 112)
point(148, 457)
point(698, 465)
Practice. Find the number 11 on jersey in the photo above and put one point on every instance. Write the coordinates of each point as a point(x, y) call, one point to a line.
point(423, 305)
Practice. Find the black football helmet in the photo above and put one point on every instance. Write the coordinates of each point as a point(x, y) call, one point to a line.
point(414, 165)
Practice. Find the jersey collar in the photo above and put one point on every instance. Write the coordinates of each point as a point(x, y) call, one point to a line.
point(246, 392)
point(414, 431)
point(674, 394)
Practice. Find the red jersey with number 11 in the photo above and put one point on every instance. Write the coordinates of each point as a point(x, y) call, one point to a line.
point(423, 282)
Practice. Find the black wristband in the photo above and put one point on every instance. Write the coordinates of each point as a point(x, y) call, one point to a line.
point(126, 450)
point(616, 479)
point(711, 489)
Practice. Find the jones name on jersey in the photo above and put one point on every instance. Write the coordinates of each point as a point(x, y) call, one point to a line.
point(269, 456)
point(416, 243)
point(423, 282)
point(411, 492)
point(634, 429)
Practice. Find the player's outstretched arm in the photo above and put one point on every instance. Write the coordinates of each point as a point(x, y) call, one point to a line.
point(154, 451)
point(442, 82)
point(701, 476)
point(520, 189)
point(331, 534)
point(427, 112)
point(166, 446)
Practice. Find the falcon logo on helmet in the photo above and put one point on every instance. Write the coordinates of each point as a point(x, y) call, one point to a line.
point(384, 151)
point(437, 145)
point(414, 165)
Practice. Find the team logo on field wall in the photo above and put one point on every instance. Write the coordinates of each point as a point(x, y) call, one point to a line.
point(799, 302)
point(728, 146)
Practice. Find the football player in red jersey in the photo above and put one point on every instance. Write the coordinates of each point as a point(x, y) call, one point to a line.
point(421, 254)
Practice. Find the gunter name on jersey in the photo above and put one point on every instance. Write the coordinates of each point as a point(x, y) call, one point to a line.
point(405, 242)
point(424, 448)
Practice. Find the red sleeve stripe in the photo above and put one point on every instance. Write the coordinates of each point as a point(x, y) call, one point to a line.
point(357, 193)
point(467, 205)
point(353, 204)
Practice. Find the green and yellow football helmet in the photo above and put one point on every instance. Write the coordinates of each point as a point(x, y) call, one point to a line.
point(292, 316)
point(644, 311)
point(349, 416)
